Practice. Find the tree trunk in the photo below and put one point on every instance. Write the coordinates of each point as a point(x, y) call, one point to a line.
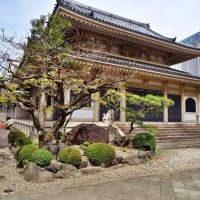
point(51, 132)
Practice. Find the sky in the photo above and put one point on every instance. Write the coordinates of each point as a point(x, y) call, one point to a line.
point(172, 18)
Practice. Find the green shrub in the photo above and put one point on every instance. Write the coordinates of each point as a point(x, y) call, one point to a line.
point(41, 157)
point(85, 146)
point(14, 136)
point(24, 141)
point(26, 152)
point(99, 153)
point(70, 155)
point(144, 141)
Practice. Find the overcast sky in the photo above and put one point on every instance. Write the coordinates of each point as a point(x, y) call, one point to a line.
point(172, 18)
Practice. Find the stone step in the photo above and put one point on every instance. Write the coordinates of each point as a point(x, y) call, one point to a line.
point(179, 144)
point(177, 139)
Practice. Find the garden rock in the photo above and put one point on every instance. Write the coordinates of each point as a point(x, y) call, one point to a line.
point(131, 160)
point(52, 168)
point(83, 164)
point(67, 171)
point(87, 132)
point(32, 172)
point(45, 176)
point(142, 154)
point(91, 170)
point(53, 148)
point(116, 136)
point(149, 154)
point(56, 164)
point(117, 160)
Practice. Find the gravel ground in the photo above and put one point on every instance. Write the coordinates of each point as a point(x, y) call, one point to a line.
point(164, 161)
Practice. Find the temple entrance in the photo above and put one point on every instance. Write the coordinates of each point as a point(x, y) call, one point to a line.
point(174, 112)
point(151, 117)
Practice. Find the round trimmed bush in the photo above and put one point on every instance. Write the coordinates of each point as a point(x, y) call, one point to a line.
point(70, 155)
point(24, 141)
point(144, 141)
point(14, 136)
point(42, 157)
point(26, 152)
point(99, 153)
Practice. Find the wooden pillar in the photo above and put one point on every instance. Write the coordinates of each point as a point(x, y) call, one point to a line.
point(182, 103)
point(123, 102)
point(96, 108)
point(165, 113)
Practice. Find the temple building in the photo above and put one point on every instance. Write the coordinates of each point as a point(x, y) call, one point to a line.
point(113, 42)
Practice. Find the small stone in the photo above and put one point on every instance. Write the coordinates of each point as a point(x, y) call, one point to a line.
point(8, 191)
point(83, 164)
point(2, 176)
point(91, 170)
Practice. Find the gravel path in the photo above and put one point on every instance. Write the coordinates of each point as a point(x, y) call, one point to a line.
point(164, 161)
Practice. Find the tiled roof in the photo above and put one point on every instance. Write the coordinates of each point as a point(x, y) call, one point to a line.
point(137, 65)
point(115, 20)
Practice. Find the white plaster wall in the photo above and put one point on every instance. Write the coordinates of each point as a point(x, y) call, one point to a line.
point(189, 116)
point(83, 114)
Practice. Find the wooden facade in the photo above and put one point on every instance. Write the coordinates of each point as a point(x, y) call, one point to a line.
point(112, 42)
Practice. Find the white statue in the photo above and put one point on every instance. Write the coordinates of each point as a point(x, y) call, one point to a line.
point(108, 118)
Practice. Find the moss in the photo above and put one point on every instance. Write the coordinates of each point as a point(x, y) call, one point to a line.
point(14, 136)
point(25, 152)
point(144, 141)
point(41, 157)
point(99, 153)
point(70, 155)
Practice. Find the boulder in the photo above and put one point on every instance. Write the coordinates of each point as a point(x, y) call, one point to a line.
point(117, 136)
point(91, 170)
point(117, 160)
point(131, 160)
point(34, 173)
point(83, 164)
point(31, 173)
point(87, 132)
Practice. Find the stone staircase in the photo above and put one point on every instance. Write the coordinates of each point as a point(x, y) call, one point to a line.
point(171, 135)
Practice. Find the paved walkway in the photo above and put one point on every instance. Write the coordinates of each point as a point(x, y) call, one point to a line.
point(3, 138)
point(176, 186)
